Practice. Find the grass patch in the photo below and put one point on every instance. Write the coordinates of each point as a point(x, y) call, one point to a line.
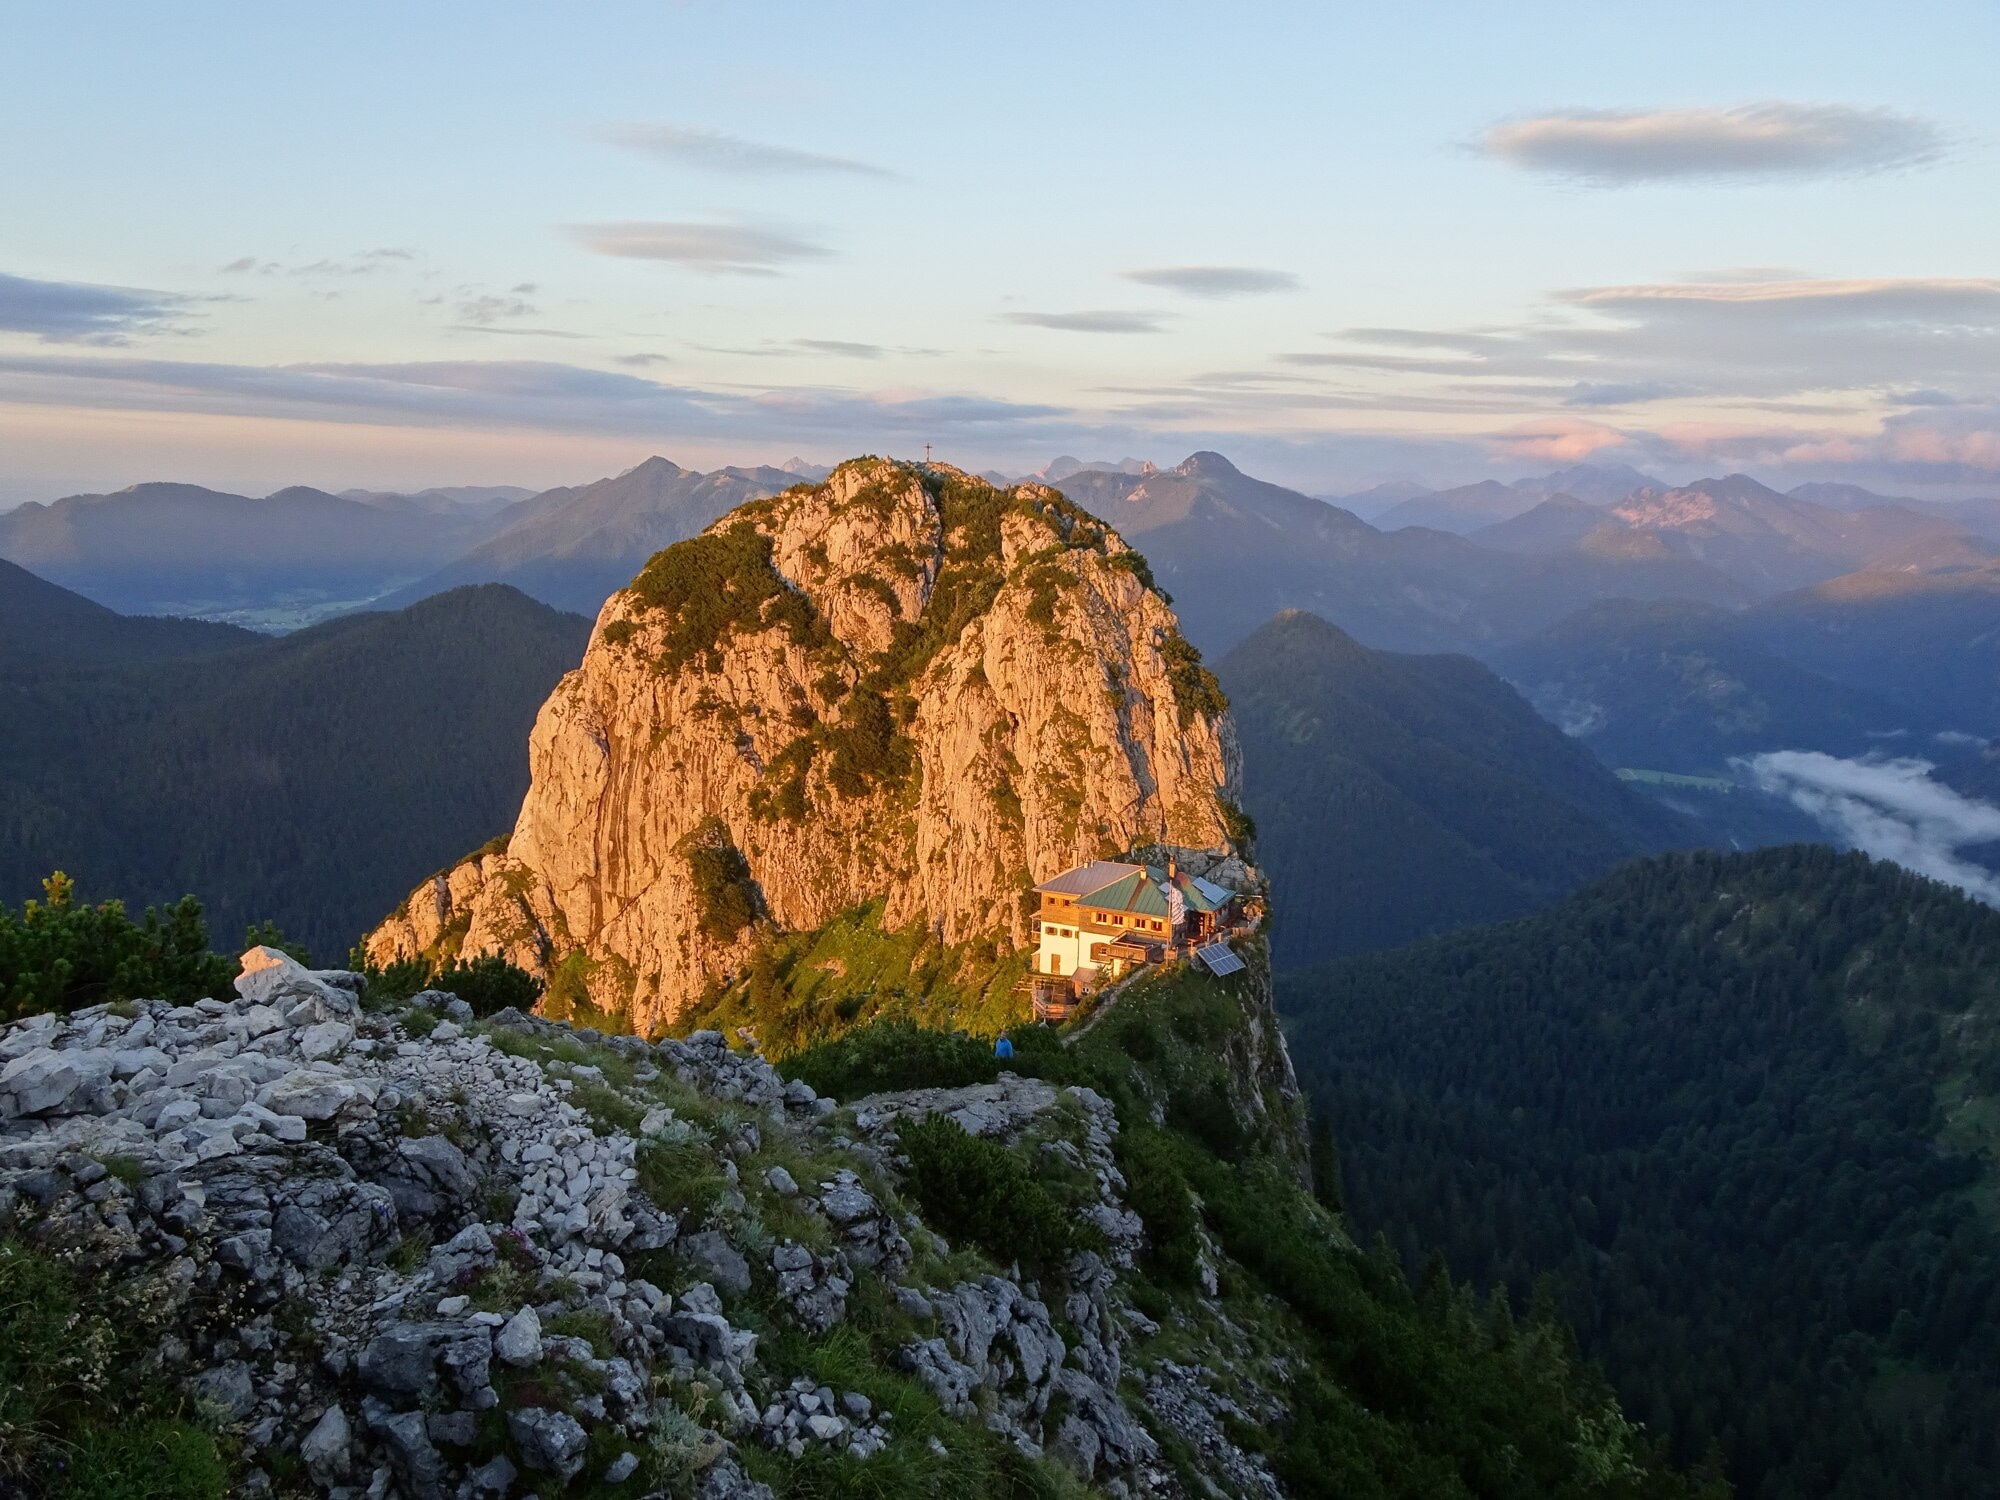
point(76, 1416)
point(681, 1176)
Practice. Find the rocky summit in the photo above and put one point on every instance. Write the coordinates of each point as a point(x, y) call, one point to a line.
point(406, 1252)
point(902, 685)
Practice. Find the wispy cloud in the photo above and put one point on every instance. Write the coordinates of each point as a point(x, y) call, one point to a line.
point(358, 264)
point(1827, 350)
point(69, 312)
point(1892, 809)
point(729, 155)
point(714, 249)
point(504, 393)
point(488, 308)
point(1102, 320)
point(1745, 142)
point(840, 348)
point(1214, 282)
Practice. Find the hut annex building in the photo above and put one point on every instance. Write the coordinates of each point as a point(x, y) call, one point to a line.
point(1101, 920)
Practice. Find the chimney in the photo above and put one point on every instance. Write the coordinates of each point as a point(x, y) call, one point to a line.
point(1173, 872)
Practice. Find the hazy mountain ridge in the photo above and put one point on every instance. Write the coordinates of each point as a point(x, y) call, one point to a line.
point(45, 627)
point(1399, 796)
point(574, 548)
point(1679, 687)
point(163, 548)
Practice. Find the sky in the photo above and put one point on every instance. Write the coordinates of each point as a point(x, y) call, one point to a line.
point(395, 246)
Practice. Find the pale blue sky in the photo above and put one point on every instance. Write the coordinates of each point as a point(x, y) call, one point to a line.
point(861, 227)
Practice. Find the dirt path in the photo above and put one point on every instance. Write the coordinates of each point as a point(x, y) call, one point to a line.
point(1104, 1003)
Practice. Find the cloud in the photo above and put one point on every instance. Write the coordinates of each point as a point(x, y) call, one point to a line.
point(1615, 393)
point(840, 348)
point(68, 312)
point(1215, 281)
point(1928, 302)
point(1563, 440)
point(1906, 356)
point(490, 309)
point(1892, 809)
point(1746, 142)
point(728, 155)
point(505, 394)
point(1103, 320)
point(714, 249)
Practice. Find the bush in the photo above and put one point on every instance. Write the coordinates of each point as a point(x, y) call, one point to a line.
point(57, 955)
point(725, 900)
point(713, 585)
point(977, 1190)
point(488, 984)
point(893, 1055)
point(1156, 1190)
point(1196, 692)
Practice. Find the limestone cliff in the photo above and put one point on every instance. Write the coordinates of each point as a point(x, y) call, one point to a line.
point(901, 685)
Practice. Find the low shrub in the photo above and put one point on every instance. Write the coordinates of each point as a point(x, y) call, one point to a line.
point(893, 1055)
point(975, 1189)
point(58, 955)
point(1156, 1190)
point(488, 984)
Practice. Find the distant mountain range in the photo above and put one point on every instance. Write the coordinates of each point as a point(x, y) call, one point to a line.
point(308, 779)
point(1233, 551)
point(1400, 796)
point(573, 547)
point(1680, 687)
point(1472, 506)
point(292, 556)
point(1671, 627)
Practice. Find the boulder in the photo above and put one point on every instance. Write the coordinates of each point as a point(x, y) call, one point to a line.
point(45, 1081)
point(282, 982)
point(327, 1447)
point(711, 1251)
point(416, 1461)
point(550, 1441)
point(520, 1342)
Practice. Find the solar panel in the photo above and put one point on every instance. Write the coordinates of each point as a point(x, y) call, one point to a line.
point(1219, 959)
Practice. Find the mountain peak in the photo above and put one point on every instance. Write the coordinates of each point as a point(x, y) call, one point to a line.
point(837, 695)
point(1207, 465)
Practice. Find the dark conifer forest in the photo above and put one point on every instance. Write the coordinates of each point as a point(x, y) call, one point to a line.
point(310, 780)
point(1736, 1115)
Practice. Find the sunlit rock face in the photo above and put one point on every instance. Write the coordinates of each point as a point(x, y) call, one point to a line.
point(901, 684)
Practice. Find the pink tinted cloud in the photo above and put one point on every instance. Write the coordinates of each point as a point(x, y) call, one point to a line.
point(1565, 440)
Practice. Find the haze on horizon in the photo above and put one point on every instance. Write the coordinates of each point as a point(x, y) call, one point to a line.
point(503, 244)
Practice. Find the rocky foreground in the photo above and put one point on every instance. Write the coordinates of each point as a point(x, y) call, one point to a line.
point(405, 1252)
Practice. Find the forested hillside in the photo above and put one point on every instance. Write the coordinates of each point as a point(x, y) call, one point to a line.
point(310, 779)
point(1741, 1111)
point(42, 624)
point(1397, 796)
point(1680, 687)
